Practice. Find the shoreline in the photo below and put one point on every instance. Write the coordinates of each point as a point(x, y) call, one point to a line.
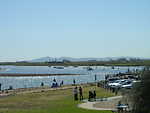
point(28, 75)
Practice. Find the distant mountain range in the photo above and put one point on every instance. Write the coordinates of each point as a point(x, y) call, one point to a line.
point(52, 59)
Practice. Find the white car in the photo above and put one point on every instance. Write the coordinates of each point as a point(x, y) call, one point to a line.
point(128, 84)
point(117, 83)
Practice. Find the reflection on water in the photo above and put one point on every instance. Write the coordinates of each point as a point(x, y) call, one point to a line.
point(84, 77)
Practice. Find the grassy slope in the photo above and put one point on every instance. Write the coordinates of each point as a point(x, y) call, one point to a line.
point(60, 101)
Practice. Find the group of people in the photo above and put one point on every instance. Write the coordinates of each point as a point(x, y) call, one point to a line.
point(92, 95)
point(54, 84)
point(78, 92)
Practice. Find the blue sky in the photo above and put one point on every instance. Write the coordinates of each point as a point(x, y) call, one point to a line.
point(74, 28)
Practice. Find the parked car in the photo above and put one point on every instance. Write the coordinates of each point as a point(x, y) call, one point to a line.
point(127, 86)
point(116, 84)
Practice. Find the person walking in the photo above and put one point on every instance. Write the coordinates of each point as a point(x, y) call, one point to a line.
point(81, 93)
point(75, 93)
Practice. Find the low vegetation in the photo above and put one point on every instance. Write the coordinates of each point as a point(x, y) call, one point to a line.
point(122, 62)
point(58, 101)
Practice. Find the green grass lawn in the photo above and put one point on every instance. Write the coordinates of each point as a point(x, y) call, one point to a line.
point(59, 101)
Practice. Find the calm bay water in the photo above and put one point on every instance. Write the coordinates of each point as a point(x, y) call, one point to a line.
point(84, 76)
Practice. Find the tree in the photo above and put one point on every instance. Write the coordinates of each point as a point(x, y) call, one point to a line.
point(141, 94)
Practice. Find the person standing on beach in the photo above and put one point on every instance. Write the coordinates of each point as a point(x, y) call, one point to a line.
point(62, 82)
point(54, 80)
point(75, 93)
point(42, 84)
point(0, 86)
point(74, 82)
point(81, 93)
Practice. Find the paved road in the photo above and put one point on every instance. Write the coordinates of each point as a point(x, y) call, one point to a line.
point(109, 104)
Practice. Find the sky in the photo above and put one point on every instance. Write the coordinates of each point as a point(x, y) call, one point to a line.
point(32, 29)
